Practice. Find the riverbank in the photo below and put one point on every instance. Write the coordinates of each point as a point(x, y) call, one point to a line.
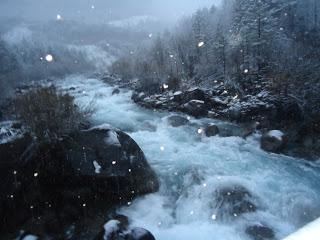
point(263, 112)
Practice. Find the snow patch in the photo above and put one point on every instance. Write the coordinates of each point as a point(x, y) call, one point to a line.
point(276, 134)
point(112, 139)
point(97, 167)
point(104, 126)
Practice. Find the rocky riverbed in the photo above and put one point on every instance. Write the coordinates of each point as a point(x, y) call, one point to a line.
point(263, 112)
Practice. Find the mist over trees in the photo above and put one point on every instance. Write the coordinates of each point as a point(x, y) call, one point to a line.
point(76, 48)
point(247, 46)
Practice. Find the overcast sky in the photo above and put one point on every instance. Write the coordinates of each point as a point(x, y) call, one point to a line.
point(99, 10)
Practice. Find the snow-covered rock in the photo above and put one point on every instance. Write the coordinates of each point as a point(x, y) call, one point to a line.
point(195, 108)
point(276, 134)
point(273, 141)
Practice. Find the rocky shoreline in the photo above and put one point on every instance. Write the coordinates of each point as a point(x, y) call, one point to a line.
point(54, 190)
point(262, 112)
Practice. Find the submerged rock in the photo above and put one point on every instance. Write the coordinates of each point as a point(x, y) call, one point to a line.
point(233, 201)
point(211, 130)
point(260, 232)
point(116, 91)
point(177, 121)
point(273, 141)
point(140, 234)
point(90, 170)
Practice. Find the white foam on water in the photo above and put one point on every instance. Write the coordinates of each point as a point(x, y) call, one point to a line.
point(285, 189)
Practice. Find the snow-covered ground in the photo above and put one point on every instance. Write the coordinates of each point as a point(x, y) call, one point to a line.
point(286, 190)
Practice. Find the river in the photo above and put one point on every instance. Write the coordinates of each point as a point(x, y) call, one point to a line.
point(285, 189)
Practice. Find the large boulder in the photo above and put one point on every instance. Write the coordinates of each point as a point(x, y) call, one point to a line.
point(260, 232)
point(273, 141)
point(196, 108)
point(194, 94)
point(83, 175)
point(233, 201)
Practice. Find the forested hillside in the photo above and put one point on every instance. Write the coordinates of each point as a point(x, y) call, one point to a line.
point(247, 46)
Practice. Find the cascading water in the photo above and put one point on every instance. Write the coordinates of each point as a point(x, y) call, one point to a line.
point(192, 167)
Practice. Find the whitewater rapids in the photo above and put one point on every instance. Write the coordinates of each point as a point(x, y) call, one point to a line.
point(287, 190)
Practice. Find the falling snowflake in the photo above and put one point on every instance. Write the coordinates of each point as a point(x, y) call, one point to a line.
point(165, 86)
point(200, 44)
point(114, 162)
point(246, 71)
point(200, 130)
point(49, 58)
point(59, 17)
point(150, 35)
point(93, 7)
point(213, 217)
point(162, 148)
